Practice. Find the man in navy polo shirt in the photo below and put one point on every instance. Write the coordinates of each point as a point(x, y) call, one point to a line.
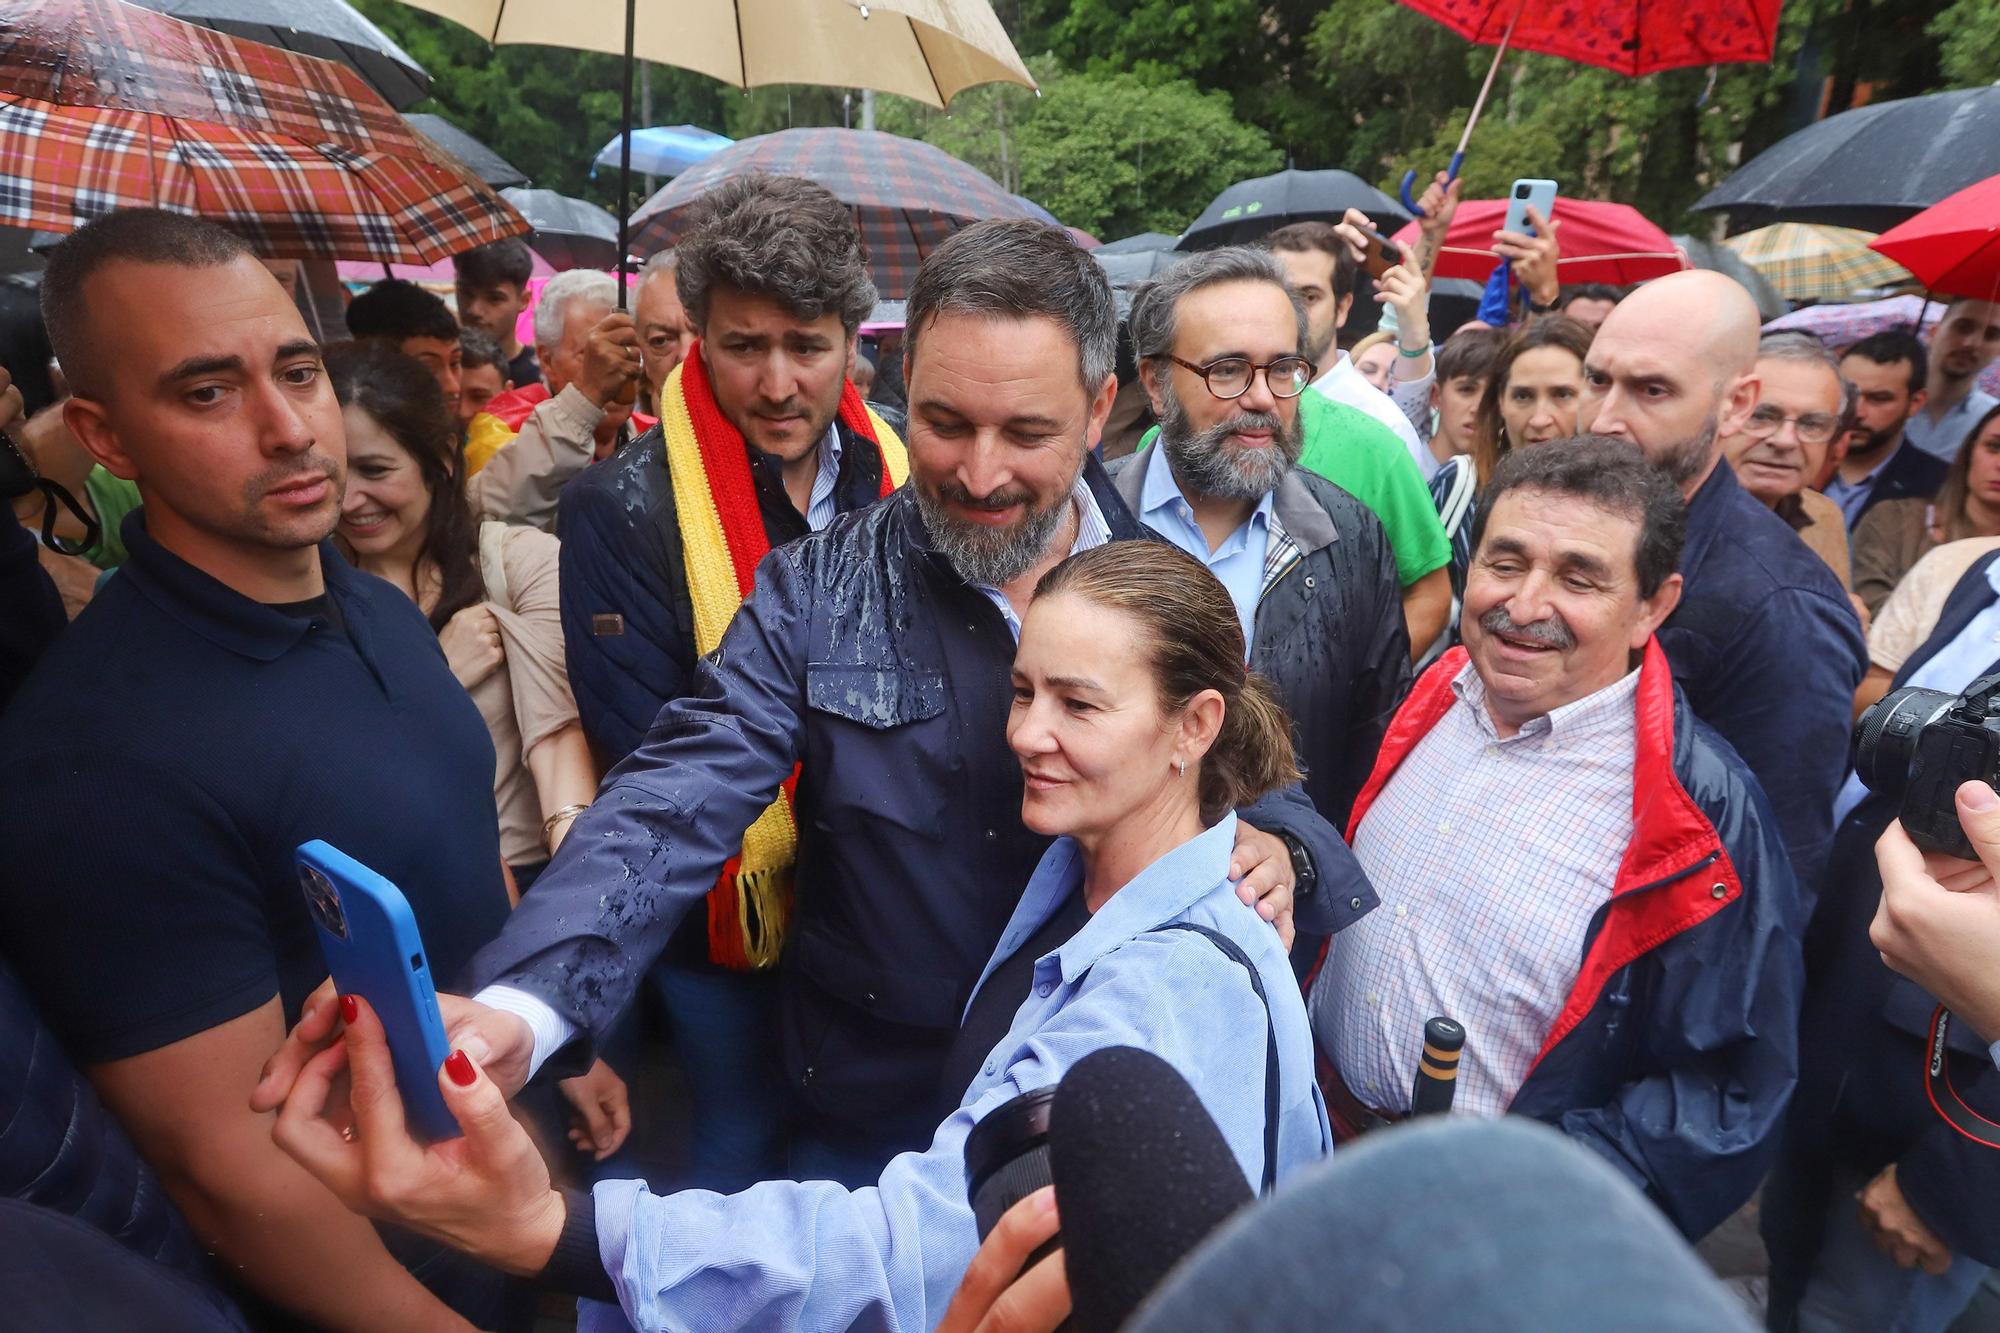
point(235, 690)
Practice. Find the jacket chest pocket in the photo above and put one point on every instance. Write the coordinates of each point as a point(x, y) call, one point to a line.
point(880, 747)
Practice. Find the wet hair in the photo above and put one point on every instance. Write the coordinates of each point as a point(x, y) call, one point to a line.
point(565, 289)
point(397, 309)
point(1588, 291)
point(1892, 345)
point(1469, 354)
point(1489, 442)
point(476, 349)
point(1611, 474)
point(135, 235)
point(400, 395)
point(1019, 269)
point(1194, 642)
point(1952, 494)
point(1305, 237)
point(1155, 316)
point(1802, 348)
point(506, 261)
point(779, 237)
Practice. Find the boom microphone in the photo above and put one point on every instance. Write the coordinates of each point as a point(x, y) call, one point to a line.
point(1142, 1175)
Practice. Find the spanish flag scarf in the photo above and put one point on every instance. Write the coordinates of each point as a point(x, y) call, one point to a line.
point(722, 539)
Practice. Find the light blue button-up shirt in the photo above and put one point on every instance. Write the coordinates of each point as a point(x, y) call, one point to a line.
point(1238, 563)
point(1092, 531)
point(1943, 436)
point(813, 1256)
point(820, 510)
point(1852, 496)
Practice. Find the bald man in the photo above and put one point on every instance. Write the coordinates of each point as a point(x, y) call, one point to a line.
point(1764, 642)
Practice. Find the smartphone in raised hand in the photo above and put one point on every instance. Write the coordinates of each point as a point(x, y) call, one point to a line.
point(1539, 195)
point(1379, 254)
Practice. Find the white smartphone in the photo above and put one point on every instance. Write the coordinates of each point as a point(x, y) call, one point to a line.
point(1537, 194)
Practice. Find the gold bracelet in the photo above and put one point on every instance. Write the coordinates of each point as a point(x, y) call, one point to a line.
point(549, 824)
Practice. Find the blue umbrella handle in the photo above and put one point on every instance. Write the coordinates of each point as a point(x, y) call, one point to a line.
point(1410, 179)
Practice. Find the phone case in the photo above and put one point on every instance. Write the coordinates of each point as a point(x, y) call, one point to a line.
point(369, 938)
point(1541, 194)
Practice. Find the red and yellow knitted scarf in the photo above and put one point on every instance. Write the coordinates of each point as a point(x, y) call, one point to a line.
point(722, 539)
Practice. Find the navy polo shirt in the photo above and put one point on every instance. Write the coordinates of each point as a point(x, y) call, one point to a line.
point(171, 750)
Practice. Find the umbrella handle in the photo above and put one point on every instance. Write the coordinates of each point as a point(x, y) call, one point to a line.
point(1410, 179)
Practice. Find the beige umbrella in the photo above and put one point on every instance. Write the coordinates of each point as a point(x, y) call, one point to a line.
point(1811, 261)
point(928, 50)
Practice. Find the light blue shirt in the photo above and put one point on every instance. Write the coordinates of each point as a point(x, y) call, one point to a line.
point(1092, 530)
point(1238, 564)
point(1943, 436)
point(1952, 668)
point(1852, 496)
point(813, 1256)
point(820, 510)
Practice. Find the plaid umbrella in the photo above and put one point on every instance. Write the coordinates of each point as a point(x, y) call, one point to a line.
point(105, 106)
point(907, 196)
point(1807, 262)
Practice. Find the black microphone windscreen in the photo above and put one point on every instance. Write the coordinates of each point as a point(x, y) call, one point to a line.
point(1142, 1175)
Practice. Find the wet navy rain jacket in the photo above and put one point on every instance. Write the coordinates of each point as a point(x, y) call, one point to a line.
point(862, 655)
point(1676, 1051)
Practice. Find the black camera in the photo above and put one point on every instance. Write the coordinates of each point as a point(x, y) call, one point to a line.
point(1007, 1159)
point(1924, 744)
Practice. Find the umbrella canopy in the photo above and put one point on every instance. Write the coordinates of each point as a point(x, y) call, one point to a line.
point(482, 161)
point(1807, 263)
point(664, 150)
point(1624, 36)
point(1868, 168)
point(1600, 242)
point(907, 196)
point(104, 106)
point(440, 274)
point(1953, 246)
point(569, 233)
point(928, 50)
point(329, 29)
point(1250, 209)
point(1719, 258)
point(1134, 245)
point(1130, 269)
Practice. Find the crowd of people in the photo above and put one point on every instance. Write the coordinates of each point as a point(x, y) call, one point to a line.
point(891, 744)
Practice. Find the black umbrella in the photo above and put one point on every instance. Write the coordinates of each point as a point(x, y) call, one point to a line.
point(1138, 245)
point(569, 233)
point(1249, 209)
point(1869, 168)
point(482, 161)
point(330, 29)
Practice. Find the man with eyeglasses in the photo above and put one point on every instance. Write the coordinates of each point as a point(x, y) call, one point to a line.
point(1801, 403)
point(1219, 339)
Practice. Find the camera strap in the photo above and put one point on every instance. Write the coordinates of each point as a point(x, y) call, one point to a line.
point(1944, 1096)
point(1235, 951)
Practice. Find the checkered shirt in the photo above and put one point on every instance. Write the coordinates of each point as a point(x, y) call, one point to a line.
point(1490, 855)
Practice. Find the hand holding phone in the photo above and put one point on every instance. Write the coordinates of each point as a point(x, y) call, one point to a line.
point(1379, 254)
point(1527, 193)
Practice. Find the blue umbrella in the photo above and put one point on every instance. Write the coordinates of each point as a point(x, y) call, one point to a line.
point(664, 150)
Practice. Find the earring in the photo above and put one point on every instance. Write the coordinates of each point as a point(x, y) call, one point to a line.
point(1180, 766)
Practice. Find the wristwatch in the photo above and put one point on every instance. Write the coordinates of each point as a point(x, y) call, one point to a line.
point(1305, 879)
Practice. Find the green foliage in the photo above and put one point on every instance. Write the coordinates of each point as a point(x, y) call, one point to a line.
point(1968, 32)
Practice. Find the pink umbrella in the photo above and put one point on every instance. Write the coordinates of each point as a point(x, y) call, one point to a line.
point(365, 274)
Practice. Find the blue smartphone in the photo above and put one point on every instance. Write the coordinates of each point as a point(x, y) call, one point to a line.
point(369, 938)
point(1541, 194)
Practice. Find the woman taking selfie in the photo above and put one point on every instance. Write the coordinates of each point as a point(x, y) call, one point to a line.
point(1138, 732)
point(488, 589)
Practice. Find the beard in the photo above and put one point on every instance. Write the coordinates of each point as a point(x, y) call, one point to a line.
point(1209, 463)
point(1684, 460)
point(993, 557)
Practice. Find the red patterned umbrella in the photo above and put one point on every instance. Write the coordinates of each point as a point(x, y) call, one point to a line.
point(105, 106)
point(1628, 37)
point(907, 196)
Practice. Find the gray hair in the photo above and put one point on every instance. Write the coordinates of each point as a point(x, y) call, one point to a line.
point(780, 237)
point(1804, 348)
point(575, 286)
point(1020, 268)
point(663, 262)
point(1154, 320)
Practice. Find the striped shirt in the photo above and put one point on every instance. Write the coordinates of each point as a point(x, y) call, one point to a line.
point(1491, 856)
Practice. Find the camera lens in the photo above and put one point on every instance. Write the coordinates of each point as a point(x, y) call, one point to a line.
point(1007, 1156)
point(1523, 191)
point(1885, 740)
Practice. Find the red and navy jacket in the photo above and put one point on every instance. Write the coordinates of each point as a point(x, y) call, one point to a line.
point(1676, 1051)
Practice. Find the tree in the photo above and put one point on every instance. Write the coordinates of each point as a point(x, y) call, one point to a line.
point(1968, 32)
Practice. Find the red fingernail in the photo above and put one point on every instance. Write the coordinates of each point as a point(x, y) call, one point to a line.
point(459, 1066)
point(349, 1010)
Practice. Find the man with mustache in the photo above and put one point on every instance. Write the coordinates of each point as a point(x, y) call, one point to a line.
point(1764, 642)
point(1965, 342)
point(871, 663)
point(237, 689)
point(1571, 865)
point(1220, 341)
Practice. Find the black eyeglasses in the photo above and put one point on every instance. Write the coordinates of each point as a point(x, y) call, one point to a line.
point(1230, 376)
point(1811, 427)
